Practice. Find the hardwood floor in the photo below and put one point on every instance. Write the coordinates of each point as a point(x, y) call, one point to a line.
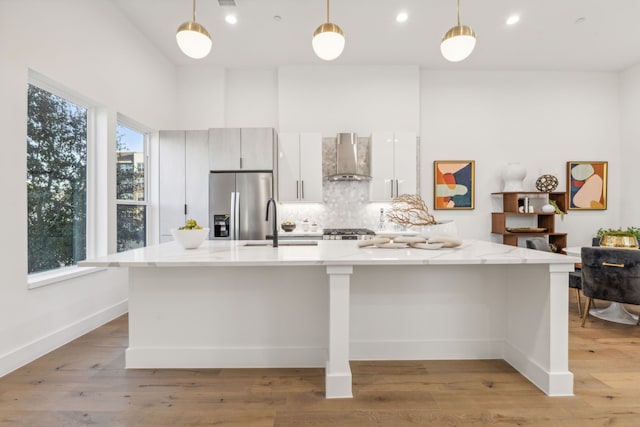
point(84, 383)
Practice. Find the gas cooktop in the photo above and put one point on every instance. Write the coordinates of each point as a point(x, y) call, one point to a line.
point(347, 233)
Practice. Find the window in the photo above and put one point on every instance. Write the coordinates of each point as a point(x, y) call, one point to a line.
point(130, 188)
point(56, 181)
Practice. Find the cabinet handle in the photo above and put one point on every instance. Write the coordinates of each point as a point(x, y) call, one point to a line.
point(240, 162)
point(397, 188)
point(185, 208)
point(302, 186)
point(297, 189)
point(392, 189)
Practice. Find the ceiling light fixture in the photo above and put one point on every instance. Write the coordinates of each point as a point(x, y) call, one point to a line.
point(458, 42)
point(193, 39)
point(513, 19)
point(402, 17)
point(328, 40)
point(231, 19)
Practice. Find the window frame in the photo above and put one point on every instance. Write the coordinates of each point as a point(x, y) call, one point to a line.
point(131, 124)
point(39, 279)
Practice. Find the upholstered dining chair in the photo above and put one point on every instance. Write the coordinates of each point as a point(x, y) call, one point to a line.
point(610, 274)
point(575, 277)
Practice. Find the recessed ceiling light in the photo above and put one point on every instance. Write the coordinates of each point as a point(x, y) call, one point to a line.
point(231, 19)
point(402, 17)
point(513, 19)
point(580, 20)
point(277, 18)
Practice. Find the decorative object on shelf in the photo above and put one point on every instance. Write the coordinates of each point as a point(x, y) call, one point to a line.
point(548, 208)
point(513, 174)
point(191, 235)
point(587, 185)
point(193, 39)
point(454, 182)
point(328, 40)
point(458, 43)
point(409, 210)
point(288, 225)
point(525, 229)
point(305, 225)
point(557, 209)
point(547, 183)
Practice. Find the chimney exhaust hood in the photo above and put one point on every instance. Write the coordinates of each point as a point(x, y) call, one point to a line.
point(352, 159)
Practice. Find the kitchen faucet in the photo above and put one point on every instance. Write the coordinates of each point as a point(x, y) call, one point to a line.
point(275, 221)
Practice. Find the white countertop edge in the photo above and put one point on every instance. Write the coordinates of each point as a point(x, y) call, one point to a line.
point(232, 254)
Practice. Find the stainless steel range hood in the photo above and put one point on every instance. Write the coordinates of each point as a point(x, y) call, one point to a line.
point(352, 159)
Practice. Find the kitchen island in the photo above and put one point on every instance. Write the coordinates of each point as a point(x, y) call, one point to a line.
point(235, 304)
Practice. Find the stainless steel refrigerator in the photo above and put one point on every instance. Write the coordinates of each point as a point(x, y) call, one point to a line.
point(237, 205)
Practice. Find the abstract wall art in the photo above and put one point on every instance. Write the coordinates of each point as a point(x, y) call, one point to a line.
point(453, 184)
point(587, 185)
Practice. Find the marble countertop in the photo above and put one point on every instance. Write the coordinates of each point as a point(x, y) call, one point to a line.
point(323, 252)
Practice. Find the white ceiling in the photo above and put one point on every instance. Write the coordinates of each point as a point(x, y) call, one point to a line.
point(589, 35)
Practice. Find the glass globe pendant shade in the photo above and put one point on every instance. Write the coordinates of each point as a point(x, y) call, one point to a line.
point(193, 40)
point(328, 41)
point(458, 43)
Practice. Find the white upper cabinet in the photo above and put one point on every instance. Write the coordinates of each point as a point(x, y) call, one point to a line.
point(300, 167)
point(241, 148)
point(183, 179)
point(393, 165)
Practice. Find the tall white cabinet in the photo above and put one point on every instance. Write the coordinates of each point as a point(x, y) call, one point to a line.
point(393, 165)
point(300, 167)
point(241, 148)
point(183, 179)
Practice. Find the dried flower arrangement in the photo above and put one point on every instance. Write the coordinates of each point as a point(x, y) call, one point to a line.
point(409, 210)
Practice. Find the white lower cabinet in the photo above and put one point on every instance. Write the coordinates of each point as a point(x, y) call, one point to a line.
point(183, 179)
point(300, 167)
point(393, 165)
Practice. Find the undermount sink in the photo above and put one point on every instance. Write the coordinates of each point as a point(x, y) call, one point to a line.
point(283, 243)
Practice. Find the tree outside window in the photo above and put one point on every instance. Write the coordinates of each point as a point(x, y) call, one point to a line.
point(56, 181)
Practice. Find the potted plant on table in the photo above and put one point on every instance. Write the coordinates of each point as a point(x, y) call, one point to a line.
point(619, 238)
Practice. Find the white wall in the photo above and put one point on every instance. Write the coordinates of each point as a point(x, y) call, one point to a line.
point(201, 97)
point(252, 98)
point(540, 119)
point(90, 48)
point(332, 99)
point(630, 147)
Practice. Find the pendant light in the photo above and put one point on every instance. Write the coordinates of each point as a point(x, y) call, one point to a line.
point(328, 40)
point(193, 39)
point(458, 42)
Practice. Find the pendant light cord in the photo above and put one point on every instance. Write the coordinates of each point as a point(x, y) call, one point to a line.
point(328, 11)
point(458, 12)
point(194, 11)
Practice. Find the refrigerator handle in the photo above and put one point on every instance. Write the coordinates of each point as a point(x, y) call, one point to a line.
point(232, 217)
point(237, 219)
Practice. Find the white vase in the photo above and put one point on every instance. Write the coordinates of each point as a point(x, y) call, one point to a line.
point(442, 228)
point(513, 174)
point(548, 208)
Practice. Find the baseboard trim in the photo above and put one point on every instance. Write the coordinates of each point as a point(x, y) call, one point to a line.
point(21, 356)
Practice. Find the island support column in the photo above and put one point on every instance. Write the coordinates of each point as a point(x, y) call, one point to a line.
point(338, 371)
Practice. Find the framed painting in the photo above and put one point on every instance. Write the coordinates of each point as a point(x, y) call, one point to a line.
point(587, 185)
point(453, 184)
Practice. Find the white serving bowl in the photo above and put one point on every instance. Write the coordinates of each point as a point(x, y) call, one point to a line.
point(190, 239)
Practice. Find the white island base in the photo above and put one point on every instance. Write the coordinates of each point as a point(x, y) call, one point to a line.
point(300, 307)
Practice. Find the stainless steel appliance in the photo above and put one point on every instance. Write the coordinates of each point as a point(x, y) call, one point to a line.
point(347, 234)
point(237, 202)
point(348, 158)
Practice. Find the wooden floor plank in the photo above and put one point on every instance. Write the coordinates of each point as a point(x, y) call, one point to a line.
point(84, 383)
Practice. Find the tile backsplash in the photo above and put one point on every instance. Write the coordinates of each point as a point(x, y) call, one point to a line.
point(345, 205)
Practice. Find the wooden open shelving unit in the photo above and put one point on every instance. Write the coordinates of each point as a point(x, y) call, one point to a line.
point(510, 204)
